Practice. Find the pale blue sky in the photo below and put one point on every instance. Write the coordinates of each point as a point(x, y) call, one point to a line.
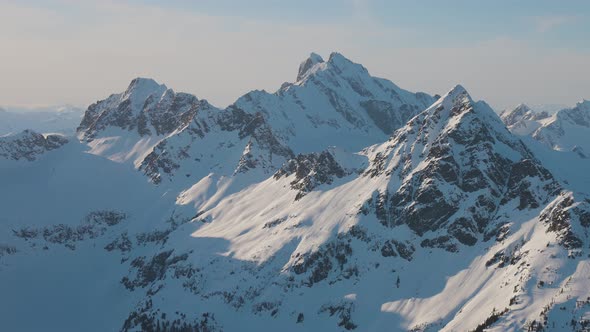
point(505, 52)
point(565, 23)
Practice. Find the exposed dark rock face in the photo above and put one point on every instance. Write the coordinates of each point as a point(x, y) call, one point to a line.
point(393, 248)
point(150, 270)
point(443, 242)
point(509, 256)
point(568, 218)
point(147, 319)
point(154, 164)
point(121, 243)
point(95, 224)
point(319, 264)
point(7, 250)
point(520, 185)
point(454, 174)
point(28, 145)
point(342, 310)
point(311, 170)
point(493, 318)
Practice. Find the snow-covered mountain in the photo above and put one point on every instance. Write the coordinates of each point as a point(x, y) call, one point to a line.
point(522, 120)
point(334, 102)
point(339, 202)
point(28, 145)
point(565, 130)
point(568, 129)
point(59, 119)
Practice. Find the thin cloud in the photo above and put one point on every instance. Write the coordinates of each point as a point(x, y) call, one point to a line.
point(545, 24)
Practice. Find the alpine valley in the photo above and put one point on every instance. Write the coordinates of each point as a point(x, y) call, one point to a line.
point(339, 202)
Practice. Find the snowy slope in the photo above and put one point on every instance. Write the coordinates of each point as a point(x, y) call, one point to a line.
point(522, 120)
point(294, 211)
point(567, 130)
point(53, 211)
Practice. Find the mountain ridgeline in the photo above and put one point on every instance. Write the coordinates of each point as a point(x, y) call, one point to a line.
point(338, 202)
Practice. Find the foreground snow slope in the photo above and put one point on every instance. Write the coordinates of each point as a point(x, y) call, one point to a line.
point(167, 213)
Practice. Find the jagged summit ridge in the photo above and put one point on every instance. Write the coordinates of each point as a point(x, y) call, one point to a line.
point(565, 130)
point(140, 89)
point(28, 145)
point(307, 64)
point(510, 117)
point(335, 102)
point(145, 107)
point(522, 120)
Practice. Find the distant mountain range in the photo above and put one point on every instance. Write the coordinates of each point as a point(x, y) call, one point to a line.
point(58, 119)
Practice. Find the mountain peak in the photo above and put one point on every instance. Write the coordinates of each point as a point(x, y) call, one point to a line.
point(337, 65)
point(457, 90)
point(511, 116)
point(456, 95)
point(521, 108)
point(315, 57)
point(337, 56)
point(143, 83)
point(458, 109)
point(140, 89)
point(307, 64)
point(146, 107)
point(342, 63)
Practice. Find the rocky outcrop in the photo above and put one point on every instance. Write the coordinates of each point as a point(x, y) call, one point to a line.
point(311, 170)
point(29, 145)
point(569, 218)
point(95, 224)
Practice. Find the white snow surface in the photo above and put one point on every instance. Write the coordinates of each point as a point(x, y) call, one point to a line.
point(564, 130)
